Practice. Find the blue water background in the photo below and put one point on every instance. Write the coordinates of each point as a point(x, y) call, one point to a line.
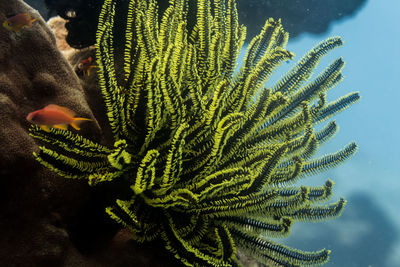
point(368, 232)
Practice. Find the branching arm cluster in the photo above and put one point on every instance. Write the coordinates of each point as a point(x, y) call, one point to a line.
point(208, 152)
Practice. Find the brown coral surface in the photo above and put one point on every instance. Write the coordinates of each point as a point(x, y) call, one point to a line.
point(33, 74)
point(47, 220)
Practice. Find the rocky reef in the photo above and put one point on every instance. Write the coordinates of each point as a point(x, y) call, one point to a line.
point(300, 16)
point(47, 220)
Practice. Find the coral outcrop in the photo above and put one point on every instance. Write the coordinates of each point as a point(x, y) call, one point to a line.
point(33, 201)
point(46, 220)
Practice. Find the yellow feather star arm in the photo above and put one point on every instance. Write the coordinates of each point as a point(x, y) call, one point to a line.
point(208, 158)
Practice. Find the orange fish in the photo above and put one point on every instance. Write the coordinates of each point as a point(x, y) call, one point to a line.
point(18, 22)
point(53, 116)
point(86, 65)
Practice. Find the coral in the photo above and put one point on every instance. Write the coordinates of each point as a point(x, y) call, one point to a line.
point(33, 198)
point(204, 157)
point(45, 219)
point(57, 25)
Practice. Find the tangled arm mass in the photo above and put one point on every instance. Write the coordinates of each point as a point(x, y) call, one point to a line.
point(205, 152)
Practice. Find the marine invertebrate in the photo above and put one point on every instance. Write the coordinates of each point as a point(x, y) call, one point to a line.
point(206, 150)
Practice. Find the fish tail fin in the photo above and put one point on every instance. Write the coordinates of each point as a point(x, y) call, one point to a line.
point(30, 22)
point(30, 19)
point(88, 69)
point(77, 121)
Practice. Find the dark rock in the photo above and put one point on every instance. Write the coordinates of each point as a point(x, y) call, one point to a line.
point(298, 16)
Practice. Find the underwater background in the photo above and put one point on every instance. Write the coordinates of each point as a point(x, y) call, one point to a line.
point(367, 234)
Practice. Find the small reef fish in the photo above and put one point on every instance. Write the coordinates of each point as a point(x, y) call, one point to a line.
point(54, 116)
point(86, 65)
point(18, 22)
